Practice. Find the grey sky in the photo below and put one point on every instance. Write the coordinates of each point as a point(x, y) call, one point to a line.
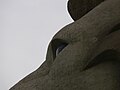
point(26, 28)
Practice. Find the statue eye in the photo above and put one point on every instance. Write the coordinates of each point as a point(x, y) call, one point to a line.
point(57, 46)
point(60, 48)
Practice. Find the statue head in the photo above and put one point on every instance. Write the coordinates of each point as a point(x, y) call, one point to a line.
point(84, 55)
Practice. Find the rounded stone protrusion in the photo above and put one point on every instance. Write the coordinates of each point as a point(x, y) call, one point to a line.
point(78, 8)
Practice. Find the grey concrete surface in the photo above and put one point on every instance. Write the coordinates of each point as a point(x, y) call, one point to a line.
point(90, 60)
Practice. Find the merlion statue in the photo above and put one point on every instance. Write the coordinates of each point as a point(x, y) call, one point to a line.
point(84, 55)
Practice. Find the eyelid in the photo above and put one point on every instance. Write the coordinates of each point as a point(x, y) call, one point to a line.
point(60, 48)
point(56, 43)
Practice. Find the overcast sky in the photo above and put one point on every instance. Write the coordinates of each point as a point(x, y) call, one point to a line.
point(26, 28)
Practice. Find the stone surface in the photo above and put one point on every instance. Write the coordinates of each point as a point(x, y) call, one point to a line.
point(91, 59)
point(78, 8)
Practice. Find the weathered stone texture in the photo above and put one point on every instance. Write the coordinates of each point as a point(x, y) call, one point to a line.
point(91, 58)
point(78, 8)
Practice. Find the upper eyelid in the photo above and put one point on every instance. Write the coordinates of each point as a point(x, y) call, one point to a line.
point(55, 44)
point(60, 48)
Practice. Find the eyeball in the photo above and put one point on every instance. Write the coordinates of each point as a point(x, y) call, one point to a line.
point(57, 46)
point(60, 48)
